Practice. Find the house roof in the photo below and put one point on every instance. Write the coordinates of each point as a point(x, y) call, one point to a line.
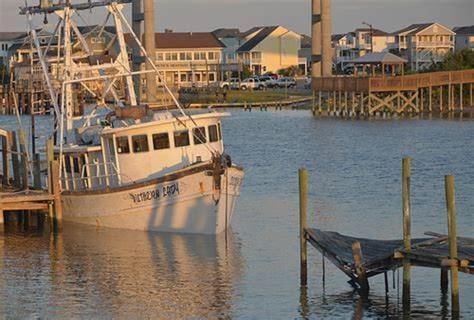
point(379, 58)
point(415, 28)
point(250, 31)
point(87, 29)
point(9, 36)
point(464, 30)
point(306, 41)
point(176, 40)
point(227, 33)
point(337, 37)
point(376, 32)
point(259, 37)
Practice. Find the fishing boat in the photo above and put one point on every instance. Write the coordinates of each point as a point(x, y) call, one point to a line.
point(127, 166)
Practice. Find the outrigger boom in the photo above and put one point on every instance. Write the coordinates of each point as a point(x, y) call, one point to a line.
point(77, 6)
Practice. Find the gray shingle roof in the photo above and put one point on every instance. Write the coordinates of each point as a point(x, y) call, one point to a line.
point(9, 36)
point(379, 58)
point(259, 37)
point(468, 30)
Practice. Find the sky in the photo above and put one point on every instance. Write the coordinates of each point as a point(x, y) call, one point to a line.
point(207, 15)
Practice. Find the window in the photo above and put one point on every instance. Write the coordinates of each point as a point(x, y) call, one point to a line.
point(220, 131)
point(212, 77)
point(189, 56)
point(212, 55)
point(161, 141)
point(213, 135)
point(181, 138)
point(183, 77)
point(199, 135)
point(171, 56)
point(140, 143)
point(122, 145)
point(159, 56)
point(182, 56)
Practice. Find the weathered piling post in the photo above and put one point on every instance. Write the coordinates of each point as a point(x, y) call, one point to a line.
point(5, 162)
point(406, 175)
point(303, 188)
point(453, 248)
point(362, 279)
point(15, 160)
point(36, 171)
point(56, 191)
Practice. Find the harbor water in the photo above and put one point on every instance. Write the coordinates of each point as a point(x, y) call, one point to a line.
point(252, 272)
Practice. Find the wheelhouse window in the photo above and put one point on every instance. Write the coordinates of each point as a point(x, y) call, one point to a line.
point(123, 145)
point(213, 134)
point(161, 141)
point(220, 131)
point(199, 135)
point(181, 138)
point(140, 143)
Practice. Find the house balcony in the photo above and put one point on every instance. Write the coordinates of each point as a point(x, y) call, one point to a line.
point(433, 44)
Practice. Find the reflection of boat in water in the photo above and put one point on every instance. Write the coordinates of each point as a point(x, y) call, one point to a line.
point(129, 167)
point(87, 273)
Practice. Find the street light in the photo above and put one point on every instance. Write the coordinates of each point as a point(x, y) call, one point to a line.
point(371, 35)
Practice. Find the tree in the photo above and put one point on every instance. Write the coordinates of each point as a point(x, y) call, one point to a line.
point(292, 71)
point(460, 60)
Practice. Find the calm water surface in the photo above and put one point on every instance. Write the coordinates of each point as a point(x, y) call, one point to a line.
point(253, 274)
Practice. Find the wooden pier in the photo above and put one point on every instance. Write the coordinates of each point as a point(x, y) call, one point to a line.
point(436, 92)
point(21, 192)
point(361, 258)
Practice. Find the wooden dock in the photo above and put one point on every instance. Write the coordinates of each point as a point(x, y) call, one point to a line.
point(435, 92)
point(380, 256)
point(21, 191)
point(361, 258)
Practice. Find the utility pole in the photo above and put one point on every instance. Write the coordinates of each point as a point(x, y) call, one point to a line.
point(371, 35)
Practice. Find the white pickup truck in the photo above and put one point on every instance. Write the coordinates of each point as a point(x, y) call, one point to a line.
point(232, 83)
point(252, 84)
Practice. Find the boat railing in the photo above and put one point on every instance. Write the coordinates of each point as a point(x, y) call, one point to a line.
point(94, 175)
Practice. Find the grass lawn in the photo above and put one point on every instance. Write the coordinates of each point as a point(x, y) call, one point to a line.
point(238, 96)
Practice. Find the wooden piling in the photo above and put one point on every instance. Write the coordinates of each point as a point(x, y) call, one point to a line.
point(36, 171)
point(5, 162)
point(430, 103)
point(444, 281)
point(56, 191)
point(15, 159)
point(406, 175)
point(320, 102)
point(303, 188)
point(362, 279)
point(453, 248)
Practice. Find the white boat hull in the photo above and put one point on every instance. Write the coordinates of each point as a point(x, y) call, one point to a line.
point(187, 203)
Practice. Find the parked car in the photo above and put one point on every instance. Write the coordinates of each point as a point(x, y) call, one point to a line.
point(252, 84)
point(265, 79)
point(232, 83)
point(271, 75)
point(286, 82)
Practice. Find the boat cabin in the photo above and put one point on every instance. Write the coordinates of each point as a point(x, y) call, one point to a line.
point(125, 154)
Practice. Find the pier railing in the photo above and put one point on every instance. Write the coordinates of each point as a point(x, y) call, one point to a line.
point(392, 83)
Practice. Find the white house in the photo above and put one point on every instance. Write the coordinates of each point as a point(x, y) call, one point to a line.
point(464, 37)
point(269, 49)
point(7, 40)
point(424, 44)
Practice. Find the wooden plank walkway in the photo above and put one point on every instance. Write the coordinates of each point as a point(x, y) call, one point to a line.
point(25, 200)
point(380, 256)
